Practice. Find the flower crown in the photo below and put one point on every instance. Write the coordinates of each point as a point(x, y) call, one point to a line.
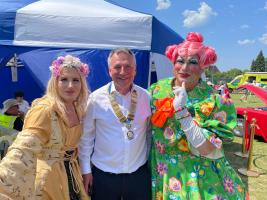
point(70, 62)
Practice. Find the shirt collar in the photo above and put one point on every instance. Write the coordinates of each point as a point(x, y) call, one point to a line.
point(113, 89)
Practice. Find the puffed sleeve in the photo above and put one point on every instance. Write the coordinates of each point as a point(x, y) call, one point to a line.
point(152, 90)
point(217, 116)
point(38, 121)
point(18, 167)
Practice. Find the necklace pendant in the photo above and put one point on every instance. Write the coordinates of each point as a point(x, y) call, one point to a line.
point(130, 135)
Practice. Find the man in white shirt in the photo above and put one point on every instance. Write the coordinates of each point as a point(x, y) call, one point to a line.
point(116, 135)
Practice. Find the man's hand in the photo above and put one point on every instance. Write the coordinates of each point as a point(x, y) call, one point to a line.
point(180, 97)
point(87, 182)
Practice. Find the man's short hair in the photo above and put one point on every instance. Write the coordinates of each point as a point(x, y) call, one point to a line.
point(19, 94)
point(121, 50)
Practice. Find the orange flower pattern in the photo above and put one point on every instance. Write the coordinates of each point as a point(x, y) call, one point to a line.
point(206, 108)
point(183, 146)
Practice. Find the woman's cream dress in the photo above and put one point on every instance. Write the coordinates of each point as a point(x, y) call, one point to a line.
point(34, 165)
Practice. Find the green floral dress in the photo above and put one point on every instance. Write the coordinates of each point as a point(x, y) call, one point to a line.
point(177, 173)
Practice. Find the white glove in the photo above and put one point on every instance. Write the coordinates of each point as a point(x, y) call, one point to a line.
point(192, 131)
point(180, 97)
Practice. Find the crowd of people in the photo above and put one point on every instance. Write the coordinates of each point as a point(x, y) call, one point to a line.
point(11, 120)
point(122, 142)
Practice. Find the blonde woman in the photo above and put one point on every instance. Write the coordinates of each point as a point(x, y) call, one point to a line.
point(42, 161)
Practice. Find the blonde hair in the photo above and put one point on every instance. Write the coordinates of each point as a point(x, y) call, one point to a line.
point(53, 95)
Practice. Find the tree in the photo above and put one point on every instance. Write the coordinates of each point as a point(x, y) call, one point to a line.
point(216, 76)
point(233, 73)
point(210, 71)
point(259, 63)
point(252, 66)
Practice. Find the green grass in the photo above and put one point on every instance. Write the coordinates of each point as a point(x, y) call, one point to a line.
point(252, 101)
point(257, 187)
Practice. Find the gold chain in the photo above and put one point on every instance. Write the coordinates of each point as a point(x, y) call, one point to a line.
point(117, 109)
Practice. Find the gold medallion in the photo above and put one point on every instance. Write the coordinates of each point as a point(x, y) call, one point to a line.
point(130, 135)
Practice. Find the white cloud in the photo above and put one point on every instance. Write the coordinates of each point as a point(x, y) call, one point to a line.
point(199, 17)
point(265, 6)
point(245, 42)
point(244, 26)
point(263, 38)
point(163, 4)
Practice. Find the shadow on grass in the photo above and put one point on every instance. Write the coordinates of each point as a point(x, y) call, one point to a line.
point(259, 138)
point(257, 163)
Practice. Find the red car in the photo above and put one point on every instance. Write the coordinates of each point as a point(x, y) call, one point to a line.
point(259, 113)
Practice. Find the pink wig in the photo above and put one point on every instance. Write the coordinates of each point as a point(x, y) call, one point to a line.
point(192, 45)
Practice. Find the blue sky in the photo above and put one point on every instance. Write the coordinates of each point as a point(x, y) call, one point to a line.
point(237, 29)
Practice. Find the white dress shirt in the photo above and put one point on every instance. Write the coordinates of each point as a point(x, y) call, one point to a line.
point(24, 106)
point(104, 142)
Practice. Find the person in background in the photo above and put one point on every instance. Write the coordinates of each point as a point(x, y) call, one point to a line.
point(116, 135)
point(189, 125)
point(226, 93)
point(221, 88)
point(23, 104)
point(244, 97)
point(10, 116)
point(10, 124)
point(42, 161)
point(256, 83)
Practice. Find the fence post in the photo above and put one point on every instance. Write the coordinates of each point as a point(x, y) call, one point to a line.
point(247, 171)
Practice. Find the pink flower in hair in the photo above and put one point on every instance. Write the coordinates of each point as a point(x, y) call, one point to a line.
point(69, 62)
point(84, 69)
point(55, 67)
